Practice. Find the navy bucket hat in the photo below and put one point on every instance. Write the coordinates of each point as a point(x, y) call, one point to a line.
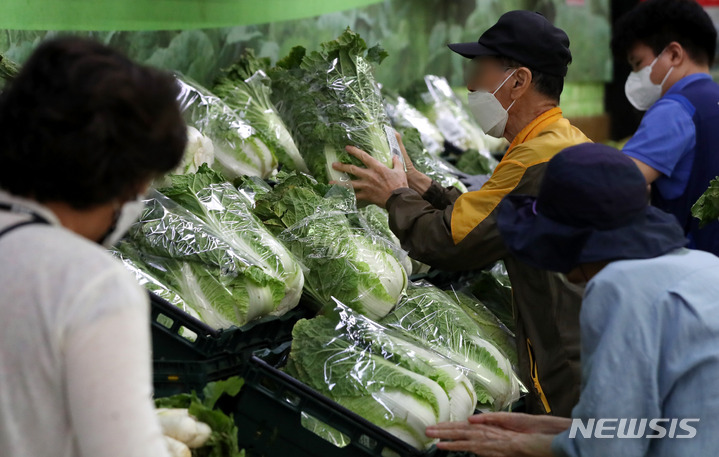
point(592, 206)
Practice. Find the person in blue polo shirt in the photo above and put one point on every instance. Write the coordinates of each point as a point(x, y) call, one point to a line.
point(649, 322)
point(670, 45)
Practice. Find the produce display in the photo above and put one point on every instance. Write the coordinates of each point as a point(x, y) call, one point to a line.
point(254, 218)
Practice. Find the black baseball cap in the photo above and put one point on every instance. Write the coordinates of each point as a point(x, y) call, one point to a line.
point(524, 36)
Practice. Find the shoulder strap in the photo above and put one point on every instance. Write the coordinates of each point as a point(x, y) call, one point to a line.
point(36, 219)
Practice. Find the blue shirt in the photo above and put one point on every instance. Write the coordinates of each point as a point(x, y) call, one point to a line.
point(650, 349)
point(666, 140)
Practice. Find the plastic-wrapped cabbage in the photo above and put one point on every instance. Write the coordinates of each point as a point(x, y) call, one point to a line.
point(492, 329)
point(199, 150)
point(132, 261)
point(493, 288)
point(329, 99)
point(238, 149)
point(423, 161)
point(391, 381)
point(435, 319)
point(436, 100)
point(344, 261)
point(376, 220)
point(245, 88)
point(404, 116)
point(204, 244)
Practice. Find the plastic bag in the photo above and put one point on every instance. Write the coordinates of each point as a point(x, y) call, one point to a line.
point(493, 288)
point(245, 88)
point(215, 255)
point(329, 99)
point(318, 224)
point(404, 115)
point(434, 167)
point(436, 319)
point(392, 381)
point(238, 149)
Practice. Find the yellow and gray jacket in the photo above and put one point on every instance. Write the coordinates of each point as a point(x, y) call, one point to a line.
point(453, 231)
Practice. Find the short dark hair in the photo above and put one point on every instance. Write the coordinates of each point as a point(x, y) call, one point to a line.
point(656, 23)
point(83, 124)
point(546, 84)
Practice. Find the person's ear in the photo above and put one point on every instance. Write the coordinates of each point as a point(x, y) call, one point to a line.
point(522, 82)
point(677, 54)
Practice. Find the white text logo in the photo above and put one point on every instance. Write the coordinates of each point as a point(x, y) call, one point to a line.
point(633, 428)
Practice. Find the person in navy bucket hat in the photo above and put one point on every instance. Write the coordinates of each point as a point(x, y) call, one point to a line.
point(649, 319)
point(592, 206)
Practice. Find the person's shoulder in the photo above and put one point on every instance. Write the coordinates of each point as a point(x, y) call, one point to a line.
point(549, 142)
point(55, 252)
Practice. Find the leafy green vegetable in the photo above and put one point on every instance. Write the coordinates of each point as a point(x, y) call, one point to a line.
point(245, 88)
point(436, 319)
point(434, 97)
point(344, 261)
point(143, 273)
point(406, 116)
point(204, 244)
point(706, 209)
point(329, 99)
point(238, 149)
point(473, 162)
point(376, 221)
point(223, 440)
point(493, 288)
point(385, 393)
point(8, 68)
point(425, 162)
point(491, 327)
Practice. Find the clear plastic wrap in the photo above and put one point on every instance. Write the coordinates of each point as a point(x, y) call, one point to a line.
point(317, 224)
point(493, 288)
point(390, 380)
point(245, 88)
point(201, 241)
point(432, 166)
point(456, 122)
point(142, 273)
point(238, 149)
point(436, 319)
point(376, 221)
point(329, 99)
point(404, 115)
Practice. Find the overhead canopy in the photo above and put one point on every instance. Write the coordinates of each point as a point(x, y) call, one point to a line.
point(159, 14)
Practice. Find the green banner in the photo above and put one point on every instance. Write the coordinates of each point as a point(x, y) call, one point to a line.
point(159, 14)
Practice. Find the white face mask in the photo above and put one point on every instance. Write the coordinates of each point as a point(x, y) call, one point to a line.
point(490, 114)
point(641, 92)
point(125, 216)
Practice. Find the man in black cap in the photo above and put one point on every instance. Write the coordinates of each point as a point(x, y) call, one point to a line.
point(518, 69)
point(649, 319)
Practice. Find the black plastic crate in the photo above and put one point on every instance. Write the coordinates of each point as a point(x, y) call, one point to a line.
point(187, 353)
point(269, 409)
